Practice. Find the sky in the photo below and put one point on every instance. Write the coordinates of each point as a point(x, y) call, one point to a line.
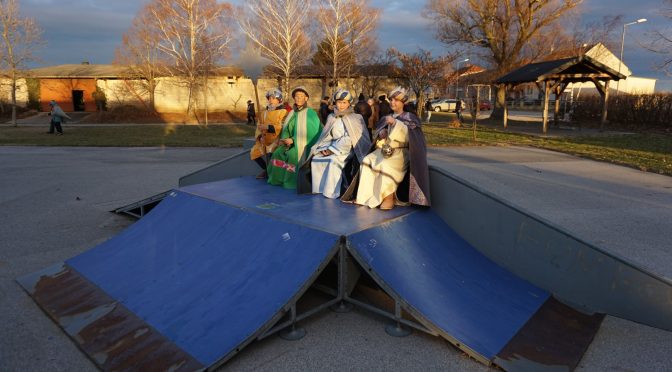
point(90, 30)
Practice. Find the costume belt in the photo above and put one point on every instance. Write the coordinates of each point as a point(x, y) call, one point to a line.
point(388, 150)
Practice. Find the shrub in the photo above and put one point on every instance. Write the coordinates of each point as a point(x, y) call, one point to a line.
point(33, 86)
point(634, 111)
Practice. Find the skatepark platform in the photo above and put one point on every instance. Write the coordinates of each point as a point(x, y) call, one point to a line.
point(218, 265)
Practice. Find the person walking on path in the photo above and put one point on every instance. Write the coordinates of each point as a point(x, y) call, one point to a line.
point(251, 115)
point(458, 109)
point(428, 110)
point(57, 118)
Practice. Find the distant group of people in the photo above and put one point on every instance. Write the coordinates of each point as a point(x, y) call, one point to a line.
point(371, 153)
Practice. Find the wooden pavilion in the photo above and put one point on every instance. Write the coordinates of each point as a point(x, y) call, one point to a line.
point(555, 75)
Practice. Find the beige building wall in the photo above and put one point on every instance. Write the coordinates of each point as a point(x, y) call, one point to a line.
point(223, 93)
point(631, 85)
point(122, 93)
point(21, 92)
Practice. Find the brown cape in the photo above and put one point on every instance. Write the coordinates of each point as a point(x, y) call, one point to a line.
point(415, 186)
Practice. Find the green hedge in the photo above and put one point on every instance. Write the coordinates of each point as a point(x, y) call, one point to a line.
point(637, 111)
point(33, 93)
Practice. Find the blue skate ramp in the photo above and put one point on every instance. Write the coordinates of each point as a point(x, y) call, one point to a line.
point(446, 284)
point(206, 277)
point(313, 211)
point(214, 266)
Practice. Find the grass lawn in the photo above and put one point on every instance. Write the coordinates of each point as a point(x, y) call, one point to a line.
point(139, 135)
point(648, 152)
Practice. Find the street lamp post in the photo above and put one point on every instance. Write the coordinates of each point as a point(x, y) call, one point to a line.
point(457, 80)
point(620, 61)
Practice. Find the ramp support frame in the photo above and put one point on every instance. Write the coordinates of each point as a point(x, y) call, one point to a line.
point(395, 328)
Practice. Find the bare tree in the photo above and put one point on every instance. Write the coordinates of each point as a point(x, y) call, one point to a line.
point(346, 25)
point(420, 71)
point(501, 28)
point(375, 70)
point(139, 53)
point(193, 36)
point(661, 40)
point(362, 38)
point(20, 37)
point(278, 28)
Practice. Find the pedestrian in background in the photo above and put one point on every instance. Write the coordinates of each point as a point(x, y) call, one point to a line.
point(428, 110)
point(375, 115)
point(458, 109)
point(324, 109)
point(251, 115)
point(57, 118)
point(363, 108)
point(384, 106)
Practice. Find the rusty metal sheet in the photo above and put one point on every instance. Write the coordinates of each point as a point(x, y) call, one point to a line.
point(556, 337)
point(113, 337)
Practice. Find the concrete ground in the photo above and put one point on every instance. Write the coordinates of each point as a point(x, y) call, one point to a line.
point(54, 204)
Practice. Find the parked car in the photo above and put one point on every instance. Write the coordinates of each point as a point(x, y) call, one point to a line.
point(485, 105)
point(447, 105)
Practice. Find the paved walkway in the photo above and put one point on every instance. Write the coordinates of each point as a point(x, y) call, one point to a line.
point(54, 204)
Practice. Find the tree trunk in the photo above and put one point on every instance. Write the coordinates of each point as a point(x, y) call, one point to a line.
point(14, 98)
point(605, 105)
point(286, 87)
point(475, 111)
point(205, 98)
point(498, 110)
point(190, 103)
point(547, 88)
point(152, 90)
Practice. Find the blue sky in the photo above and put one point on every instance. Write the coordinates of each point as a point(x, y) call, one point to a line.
point(90, 30)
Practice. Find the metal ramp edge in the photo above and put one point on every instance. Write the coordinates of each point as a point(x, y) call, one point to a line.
point(237, 165)
point(577, 272)
point(122, 298)
point(141, 207)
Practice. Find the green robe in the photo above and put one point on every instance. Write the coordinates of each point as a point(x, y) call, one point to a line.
point(304, 128)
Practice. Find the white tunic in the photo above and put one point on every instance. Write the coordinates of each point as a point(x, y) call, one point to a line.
point(327, 171)
point(378, 176)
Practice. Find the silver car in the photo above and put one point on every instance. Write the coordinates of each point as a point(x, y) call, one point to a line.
point(446, 105)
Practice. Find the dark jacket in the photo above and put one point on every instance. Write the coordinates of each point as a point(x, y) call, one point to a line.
point(363, 108)
point(324, 112)
point(385, 108)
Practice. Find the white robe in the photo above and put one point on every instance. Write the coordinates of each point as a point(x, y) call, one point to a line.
point(378, 176)
point(327, 171)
